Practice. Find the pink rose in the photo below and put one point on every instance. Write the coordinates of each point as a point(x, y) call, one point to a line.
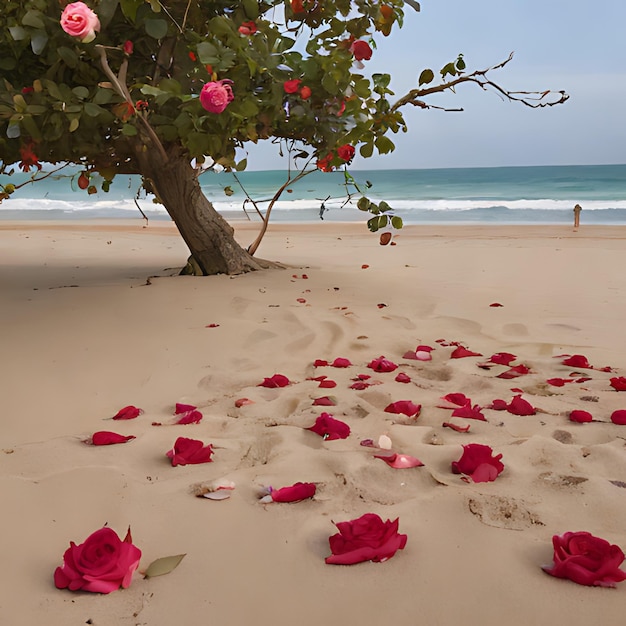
point(367, 538)
point(78, 20)
point(586, 560)
point(217, 95)
point(103, 563)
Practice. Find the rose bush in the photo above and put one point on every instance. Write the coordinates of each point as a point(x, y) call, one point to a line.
point(586, 560)
point(367, 538)
point(103, 563)
point(78, 20)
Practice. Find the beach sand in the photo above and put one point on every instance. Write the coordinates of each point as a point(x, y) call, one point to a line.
point(93, 319)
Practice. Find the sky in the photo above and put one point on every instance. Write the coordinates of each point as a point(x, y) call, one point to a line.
point(574, 45)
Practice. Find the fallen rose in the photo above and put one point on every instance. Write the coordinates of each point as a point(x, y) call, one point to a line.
point(127, 413)
point(328, 427)
point(103, 563)
point(618, 383)
point(406, 407)
point(295, 493)
point(470, 412)
point(460, 352)
point(580, 416)
point(478, 462)
point(216, 95)
point(381, 364)
point(367, 538)
point(106, 438)
point(400, 461)
point(277, 380)
point(586, 560)
point(189, 452)
point(619, 417)
point(519, 406)
point(577, 360)
point(78, 20)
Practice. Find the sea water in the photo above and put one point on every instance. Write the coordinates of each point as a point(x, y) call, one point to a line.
point(494, 195)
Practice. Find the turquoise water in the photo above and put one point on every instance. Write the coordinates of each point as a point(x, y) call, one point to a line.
point(497, 195)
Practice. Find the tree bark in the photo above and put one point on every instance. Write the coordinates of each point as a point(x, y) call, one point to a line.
point(207, 234)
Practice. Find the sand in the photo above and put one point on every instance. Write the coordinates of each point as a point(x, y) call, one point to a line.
point(93, 319)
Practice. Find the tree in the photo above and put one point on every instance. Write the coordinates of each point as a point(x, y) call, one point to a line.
point(149, 87)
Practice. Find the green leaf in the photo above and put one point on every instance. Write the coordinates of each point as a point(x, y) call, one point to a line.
point(33, 19)
point(81, 92)
point(53, 89)
point(103, 96)
point(163, 566)
point(156, 28)
point(363, 204)
point(129, 8)
point(38, 41)
point(30, 127)
point(69, 56)
point(93, 110)
point(74, 124)
point(106, 10)
point(383, 206)
point(396, 222)
point(18, 33)
point(251, 8)
point(384, 145)
point(207, 53)
point(241, 166)
point(228, 190)
point(383, 220)
point(129, 130)
point(372, 224)
point(427, 76)
point(366, 150)
point(7, 63)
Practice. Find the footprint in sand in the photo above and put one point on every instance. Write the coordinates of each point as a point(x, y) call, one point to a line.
point(502, 512)
point(516, 330)
point(260, 451)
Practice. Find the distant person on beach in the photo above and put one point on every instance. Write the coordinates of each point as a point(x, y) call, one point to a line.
point(577, 210)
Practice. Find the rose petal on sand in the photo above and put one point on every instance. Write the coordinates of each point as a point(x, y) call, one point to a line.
point(577, 360)
point(325, 401)
point(295, 493)
point(184, 408)
point(320, 363)
point(275, 381)
point(496, 304)
point(341, 362)
point(404, 407)
point(384, 442)
point(459, 429)
point(327, 384)
point(400, 461)
point(519, 406)
point(580, 416)
point(360, 385)
point(498, 405)
point(189, 452)
point(107, 438)
point(619, 417)
point(469, 412)
point(381, 364)
point(478, 462)
point(618, 383)
point(190, 417)
point(212, 325)
point(330, 428)
point(402, 378)
point(128, 413)
point(559, 382)
point(514, 372)
point(461, 352)
point(243, 402)
point(453, 400)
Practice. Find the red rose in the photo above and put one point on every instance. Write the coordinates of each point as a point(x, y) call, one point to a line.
point(478, 462)
point(328, 427)
point(103, 563)
point(361, 50)
point(189, 452)
point(305, 92)
point(346, 152)
point(325, 164)
point(291, 86)
point(618, 383)
point(295, 493)
point(586, 560)
point(248, 28)
point(367, 538)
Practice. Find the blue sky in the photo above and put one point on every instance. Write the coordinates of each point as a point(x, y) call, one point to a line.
point(574, 45)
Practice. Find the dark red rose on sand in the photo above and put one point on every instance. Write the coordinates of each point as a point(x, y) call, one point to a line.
point(618, 383)
point(406, 407)
point(103, 563)
point(381, 364)
point(619, 417)
point(127, 413)
point(367, 538)
point(295, 493)
point(189, 452)
point(106, 438)
point(278, 380)
point(328, 427)
point(580, 416)
point(586, 560)
point(478, 462)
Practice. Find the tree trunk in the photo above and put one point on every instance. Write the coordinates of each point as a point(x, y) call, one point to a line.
point(208, 235)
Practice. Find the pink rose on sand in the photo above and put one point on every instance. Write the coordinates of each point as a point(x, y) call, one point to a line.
point(217, 95)
point(78, 20)
point(586, 560)
point(103, 563)
point(367, 538)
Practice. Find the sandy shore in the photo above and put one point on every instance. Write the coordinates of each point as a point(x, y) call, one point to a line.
point(93, 319)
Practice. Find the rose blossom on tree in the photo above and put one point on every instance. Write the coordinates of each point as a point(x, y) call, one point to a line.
point(216, 96)
point(66, 100)
point(78, 20)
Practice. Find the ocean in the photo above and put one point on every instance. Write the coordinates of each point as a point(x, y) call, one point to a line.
point(493, 195)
